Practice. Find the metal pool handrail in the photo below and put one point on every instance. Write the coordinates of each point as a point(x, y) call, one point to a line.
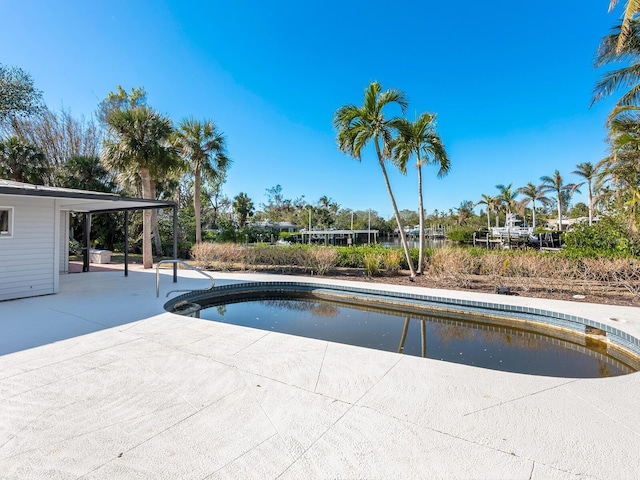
point(213, 282)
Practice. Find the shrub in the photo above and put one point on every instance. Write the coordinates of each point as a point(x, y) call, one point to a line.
point(204, 254)
point(352, 257)
point(372, 262)
point(392, 260)
point(321, 259)
point(607, 237)
point(414, 253)
point(227, 235)
point(462, 235)
point(454, 266)
point(223, 255)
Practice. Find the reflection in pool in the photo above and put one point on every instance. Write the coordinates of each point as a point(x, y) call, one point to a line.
point(454, 338)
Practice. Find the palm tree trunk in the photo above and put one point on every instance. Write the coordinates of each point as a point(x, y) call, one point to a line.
point(534, 216)
point(403, 238)
point(590, 204)
point(154, 223)
point(157, 241)
point(196, 203)
point(147, 258)
point(559, 213)
point(421, 219)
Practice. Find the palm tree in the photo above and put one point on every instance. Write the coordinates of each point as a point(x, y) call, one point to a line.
point(531, 194)
point(624, 77)
point(556, 184)
point(22, 162)
point(420, 138)
point(243, 206)
point(507, 199)
point(203, 148)
point(622, 167)
point(630, 10)
point(139, 141)
point(590, 174)
point(492, 204)
point(357, 126)
point(85, 172)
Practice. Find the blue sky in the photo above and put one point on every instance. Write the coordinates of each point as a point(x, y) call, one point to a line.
point(510, 82)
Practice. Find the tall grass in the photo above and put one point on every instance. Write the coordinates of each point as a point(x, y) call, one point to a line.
point(533, 270)
point(450, 266)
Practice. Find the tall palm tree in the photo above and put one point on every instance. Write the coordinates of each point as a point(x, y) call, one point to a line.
point(139, 141)
point(630, 11)
point(590, 174)
point(420, 138)
point(556, 184)
point(203, 148)
point(531, 194)
point(492, 204)
point(357, 126)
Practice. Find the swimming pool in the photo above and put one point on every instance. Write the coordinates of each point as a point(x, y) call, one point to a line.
point(485, 335)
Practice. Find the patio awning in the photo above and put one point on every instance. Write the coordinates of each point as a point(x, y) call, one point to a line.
point(82, 201)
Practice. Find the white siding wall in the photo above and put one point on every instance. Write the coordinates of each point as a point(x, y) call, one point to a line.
point(27, 259)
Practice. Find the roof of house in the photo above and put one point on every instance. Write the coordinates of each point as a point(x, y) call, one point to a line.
point(81, 200)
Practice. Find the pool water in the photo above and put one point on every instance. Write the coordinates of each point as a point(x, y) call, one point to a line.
point(454, 338)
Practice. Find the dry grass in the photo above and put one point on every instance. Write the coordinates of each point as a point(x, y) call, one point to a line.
point(536, 272)
point(228, 256)
point(529, 273)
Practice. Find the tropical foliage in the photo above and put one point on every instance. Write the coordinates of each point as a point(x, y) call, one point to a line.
point(22, 162)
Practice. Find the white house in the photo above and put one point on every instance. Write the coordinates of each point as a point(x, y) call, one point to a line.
point(34, 226)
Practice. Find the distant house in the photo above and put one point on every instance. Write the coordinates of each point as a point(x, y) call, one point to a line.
point(569, 223)
point(34, 232)
point(280, 226)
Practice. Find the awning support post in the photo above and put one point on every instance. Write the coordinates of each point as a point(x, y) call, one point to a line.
point(87, 242)
point(175, 243)
point(126, 243)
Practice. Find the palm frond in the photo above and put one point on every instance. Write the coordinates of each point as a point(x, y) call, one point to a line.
point(611, 81)
point(631, 10)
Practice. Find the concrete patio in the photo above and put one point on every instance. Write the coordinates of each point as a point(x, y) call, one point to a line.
point(98, 382)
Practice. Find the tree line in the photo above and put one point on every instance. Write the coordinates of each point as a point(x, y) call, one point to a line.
point(129, 148)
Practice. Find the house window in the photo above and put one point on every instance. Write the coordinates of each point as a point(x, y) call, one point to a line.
point(6, 222)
